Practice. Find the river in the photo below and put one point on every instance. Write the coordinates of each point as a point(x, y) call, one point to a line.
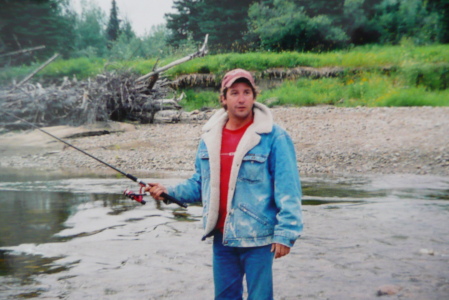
point(73, 237)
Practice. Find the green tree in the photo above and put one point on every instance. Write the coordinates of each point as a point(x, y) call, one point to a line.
point(224, 21)
point(357, 21)
point(329, 8)
point(180, 23)
point(412, 19)
point(128, 46)
point(113, 29)
point(127, 29)
point(29, 23)
point(441, 7)
point(283, 25)
point(90, 33)
point(154, 43)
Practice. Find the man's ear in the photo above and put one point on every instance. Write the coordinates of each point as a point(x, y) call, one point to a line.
point(223, 102)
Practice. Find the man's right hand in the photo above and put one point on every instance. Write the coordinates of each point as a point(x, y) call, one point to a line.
point(155, 190)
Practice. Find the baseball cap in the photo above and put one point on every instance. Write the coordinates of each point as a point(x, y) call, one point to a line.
point(235, 74)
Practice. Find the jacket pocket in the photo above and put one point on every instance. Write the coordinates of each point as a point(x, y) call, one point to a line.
point(253, 214)
point(253, 167)
point(252, 223)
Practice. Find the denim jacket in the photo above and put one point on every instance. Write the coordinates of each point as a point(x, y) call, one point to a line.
point(264, 198)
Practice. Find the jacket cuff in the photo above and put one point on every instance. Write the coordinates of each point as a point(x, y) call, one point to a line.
point(284, 240)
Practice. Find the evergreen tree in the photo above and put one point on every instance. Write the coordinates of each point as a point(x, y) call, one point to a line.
point(442, 8)
point(224, 21)
point(127, 30)
point(181, 24)
point(113, 29)
point(29, 23)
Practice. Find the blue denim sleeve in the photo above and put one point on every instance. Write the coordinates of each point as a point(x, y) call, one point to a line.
point(189, 191)
point(287, 191)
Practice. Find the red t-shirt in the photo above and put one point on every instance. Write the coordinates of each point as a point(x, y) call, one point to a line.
point(229, 142)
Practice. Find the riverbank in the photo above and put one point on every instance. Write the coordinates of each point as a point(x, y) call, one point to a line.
point(328, 140)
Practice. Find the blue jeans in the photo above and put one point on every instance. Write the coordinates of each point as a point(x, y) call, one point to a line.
point(230, 264)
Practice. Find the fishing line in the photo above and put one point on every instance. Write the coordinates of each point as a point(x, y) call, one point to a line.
point(137, 197)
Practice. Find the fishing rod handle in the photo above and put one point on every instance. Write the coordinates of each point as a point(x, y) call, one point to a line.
point(172, 199)
point(168, 199)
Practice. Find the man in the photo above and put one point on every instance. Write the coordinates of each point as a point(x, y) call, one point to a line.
point(247, 179)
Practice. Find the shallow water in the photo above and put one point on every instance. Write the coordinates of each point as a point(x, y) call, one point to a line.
point(60, 233)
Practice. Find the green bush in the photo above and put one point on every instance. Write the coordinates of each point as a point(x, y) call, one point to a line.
point(432, 76)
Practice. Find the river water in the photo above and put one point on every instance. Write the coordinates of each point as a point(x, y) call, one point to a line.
point(73, 237)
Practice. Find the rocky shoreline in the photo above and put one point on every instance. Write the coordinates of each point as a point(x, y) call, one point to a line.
point(328, 140)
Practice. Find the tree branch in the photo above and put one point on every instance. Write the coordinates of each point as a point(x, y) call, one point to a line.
point(200, 53)
point(22, 51)
point(37, 70)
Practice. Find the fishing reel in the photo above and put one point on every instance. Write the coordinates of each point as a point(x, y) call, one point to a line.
point(139, 197)
point(136, 197)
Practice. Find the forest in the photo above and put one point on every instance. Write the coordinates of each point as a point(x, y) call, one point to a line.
point(374, 52)
point(234, 26)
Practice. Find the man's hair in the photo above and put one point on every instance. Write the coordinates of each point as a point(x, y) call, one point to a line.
point(244, 80)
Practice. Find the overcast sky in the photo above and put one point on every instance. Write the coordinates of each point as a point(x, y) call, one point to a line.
point(141, 13)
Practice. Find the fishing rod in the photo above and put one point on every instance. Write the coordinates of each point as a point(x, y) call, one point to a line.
point(137, 197)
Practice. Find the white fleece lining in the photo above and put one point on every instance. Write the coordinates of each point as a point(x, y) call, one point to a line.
point(263, 123)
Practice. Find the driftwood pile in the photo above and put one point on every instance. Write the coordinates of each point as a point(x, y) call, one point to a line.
point(109, 96)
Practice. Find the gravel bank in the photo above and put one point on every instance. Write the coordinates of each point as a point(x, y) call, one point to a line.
point(328, 140)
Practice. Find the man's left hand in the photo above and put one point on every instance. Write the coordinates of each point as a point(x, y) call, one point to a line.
point(279, 250)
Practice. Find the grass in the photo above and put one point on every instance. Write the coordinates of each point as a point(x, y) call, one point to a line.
point(365, 89)
point(359, 57)
point(404, 75)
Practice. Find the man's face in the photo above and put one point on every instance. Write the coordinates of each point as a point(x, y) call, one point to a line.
point(239, 101)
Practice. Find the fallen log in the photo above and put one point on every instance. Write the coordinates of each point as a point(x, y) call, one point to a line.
point(199, 53)
point(37, 70)
point(22, 51)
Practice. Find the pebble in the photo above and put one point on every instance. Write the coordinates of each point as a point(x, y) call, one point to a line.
point(388, 290)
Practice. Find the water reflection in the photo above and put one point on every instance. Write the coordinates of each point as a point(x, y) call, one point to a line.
point(33, 217)
point(36, 216)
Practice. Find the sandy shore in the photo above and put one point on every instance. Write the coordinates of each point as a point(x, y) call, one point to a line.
point(328, 140)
